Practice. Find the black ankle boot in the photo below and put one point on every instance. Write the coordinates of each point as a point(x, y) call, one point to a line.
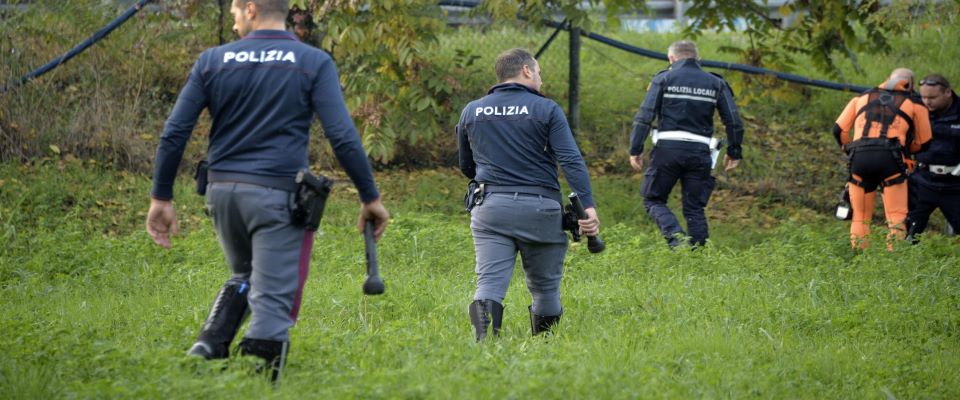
point(482, 314)
point(540, 324)
point(273, 353)
point(676, 240)
point(226, 316)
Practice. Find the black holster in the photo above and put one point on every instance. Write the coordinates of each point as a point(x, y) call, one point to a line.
point(200, 176)
point(474, 195)
point(309, 200)
point(571, 222)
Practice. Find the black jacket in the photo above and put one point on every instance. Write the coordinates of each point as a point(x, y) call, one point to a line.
point(945, 147)
point(683, 98)
point(262, 93)
point(514, 136)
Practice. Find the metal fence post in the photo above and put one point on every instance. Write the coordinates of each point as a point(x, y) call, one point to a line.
point(573, 114)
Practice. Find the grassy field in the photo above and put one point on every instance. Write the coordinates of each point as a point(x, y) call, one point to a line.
point(776, 307)
point(90, 308)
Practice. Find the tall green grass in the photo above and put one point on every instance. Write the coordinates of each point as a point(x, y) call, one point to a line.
point(776, 307)
point(90, 308)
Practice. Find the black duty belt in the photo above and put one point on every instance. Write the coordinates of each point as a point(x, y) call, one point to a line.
point(531, 190)
point(285, 183)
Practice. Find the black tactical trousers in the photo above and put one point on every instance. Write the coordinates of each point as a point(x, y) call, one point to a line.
point(692, 168)
point(928, 192)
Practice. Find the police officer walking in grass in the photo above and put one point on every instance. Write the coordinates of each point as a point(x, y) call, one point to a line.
point(510, 142)
point(936, 180)
point(683, 99)
point(261, 92)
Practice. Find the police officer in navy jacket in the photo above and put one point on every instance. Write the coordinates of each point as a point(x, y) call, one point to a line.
point(510, 142)
point(936, 180)
point(683, 100)
point(262, 93)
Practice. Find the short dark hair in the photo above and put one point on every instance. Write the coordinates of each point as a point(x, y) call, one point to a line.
point(935, 80)
point(511, 62)
point(277, 9)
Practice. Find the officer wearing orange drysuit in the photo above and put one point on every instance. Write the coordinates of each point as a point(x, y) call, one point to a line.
point(889, 122)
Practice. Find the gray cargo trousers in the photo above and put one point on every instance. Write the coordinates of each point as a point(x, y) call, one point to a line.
point(506, 223)
point(262, 246)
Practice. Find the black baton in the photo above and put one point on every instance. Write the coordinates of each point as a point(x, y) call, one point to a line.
point(594, 244)
point(374, 284)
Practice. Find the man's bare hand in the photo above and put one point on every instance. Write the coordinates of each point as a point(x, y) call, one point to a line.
point(729, 164)
point(637, 162)
point(375, 212)
point(162, 222)
point(591, 225)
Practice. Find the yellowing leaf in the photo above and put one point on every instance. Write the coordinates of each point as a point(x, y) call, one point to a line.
point(785, 10)
point(54, 149)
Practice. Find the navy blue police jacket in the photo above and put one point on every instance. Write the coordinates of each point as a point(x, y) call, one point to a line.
point(945, 147)
point(684, 98)
point(262, 93)
point(514, 136)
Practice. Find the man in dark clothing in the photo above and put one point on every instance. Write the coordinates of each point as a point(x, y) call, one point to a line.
point(683, 100)
point(936, 181)
point(510, 142)
point(261, 92)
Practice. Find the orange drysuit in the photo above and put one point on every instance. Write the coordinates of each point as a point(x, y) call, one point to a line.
point(886, 170)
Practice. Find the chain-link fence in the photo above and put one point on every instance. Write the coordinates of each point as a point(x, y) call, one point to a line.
point(108, 103)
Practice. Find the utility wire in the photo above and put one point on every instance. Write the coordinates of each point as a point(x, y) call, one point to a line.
point(617, 63)
point(102, 33)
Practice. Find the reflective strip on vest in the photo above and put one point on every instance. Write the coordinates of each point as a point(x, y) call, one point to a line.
point(690, 97)
point(685, 136)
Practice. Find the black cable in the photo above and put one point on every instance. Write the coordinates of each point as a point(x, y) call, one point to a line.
point(720, 64)
point(617, 63)
point(460, 3)
point(77, 49)
point(550, 40)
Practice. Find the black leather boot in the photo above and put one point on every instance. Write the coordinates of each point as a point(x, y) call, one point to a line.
point(482, 314)
point(911, 231)
point(226, 316)
point(676, 240)
point(273, 353)
point(540, 324)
